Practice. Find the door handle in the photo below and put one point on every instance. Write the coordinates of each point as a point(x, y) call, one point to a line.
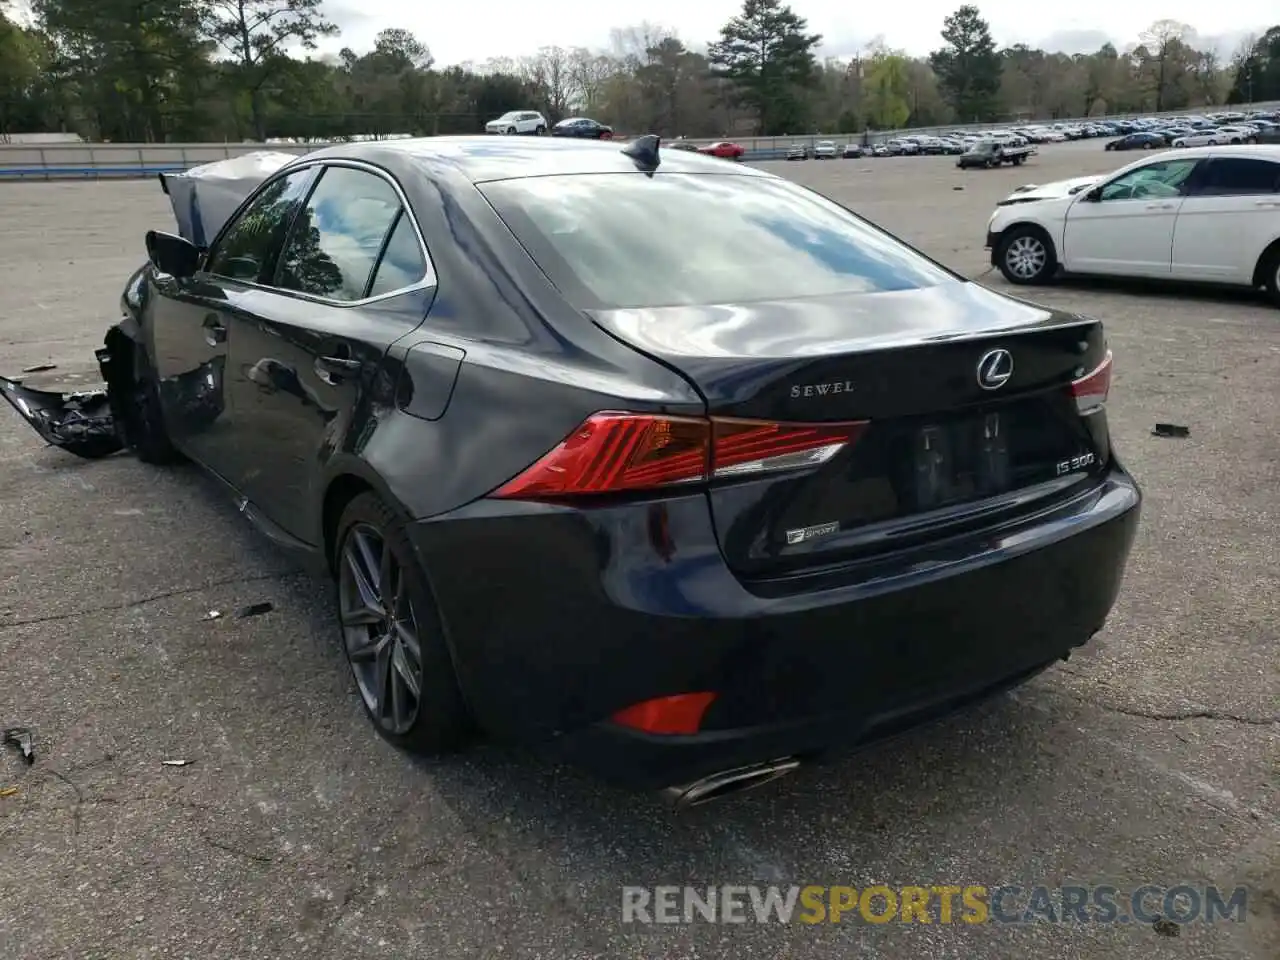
point(333, 369)
point(1266, 203)
point(215, 331)
point(1159, 206)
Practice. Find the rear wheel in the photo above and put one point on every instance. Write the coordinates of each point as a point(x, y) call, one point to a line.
point(144, 429)
point(393, 637)
point(1025, 256)
point(539, 130)
point(1147, 145)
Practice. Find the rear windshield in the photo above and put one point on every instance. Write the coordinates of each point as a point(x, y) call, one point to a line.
point(627, 240)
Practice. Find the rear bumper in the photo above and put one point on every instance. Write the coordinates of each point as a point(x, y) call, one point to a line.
point(557, 618)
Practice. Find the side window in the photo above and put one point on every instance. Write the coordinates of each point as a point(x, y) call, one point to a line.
point(246, 250)
point(1232, 176)
point(1162, 180)
point(402, 264)
point(338, 234)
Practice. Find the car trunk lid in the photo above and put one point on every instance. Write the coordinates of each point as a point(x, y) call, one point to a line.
point(965, 396)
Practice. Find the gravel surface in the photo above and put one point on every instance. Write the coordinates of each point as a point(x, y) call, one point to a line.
point(1152, 757)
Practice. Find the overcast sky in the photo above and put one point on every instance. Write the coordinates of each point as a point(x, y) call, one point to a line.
point(510, 28)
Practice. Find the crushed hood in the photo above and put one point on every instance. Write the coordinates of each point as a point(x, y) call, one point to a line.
point(205, 196)
point(1050, 191)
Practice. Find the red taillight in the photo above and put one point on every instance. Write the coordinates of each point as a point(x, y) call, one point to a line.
point(612, 452)
point(681, 713)
point(1091, 390)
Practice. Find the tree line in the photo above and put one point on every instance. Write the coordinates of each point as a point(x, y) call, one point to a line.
point(215, 70)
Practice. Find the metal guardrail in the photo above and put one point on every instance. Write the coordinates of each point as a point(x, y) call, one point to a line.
point(80, 161)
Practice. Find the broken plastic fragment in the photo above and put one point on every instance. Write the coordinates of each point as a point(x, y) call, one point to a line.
point(40, 368)
point(21, 738)
point(177, 763)
point(212, 615)
point(255, 610)
point(80, 423)
point(1171, 430)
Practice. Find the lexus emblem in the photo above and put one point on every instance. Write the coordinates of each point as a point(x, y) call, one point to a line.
point(994, 369)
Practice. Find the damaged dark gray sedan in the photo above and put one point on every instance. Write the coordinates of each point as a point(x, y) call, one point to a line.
point(670, 464)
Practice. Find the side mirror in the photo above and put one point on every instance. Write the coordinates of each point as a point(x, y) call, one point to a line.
point(172, 254)
point(1093, 195)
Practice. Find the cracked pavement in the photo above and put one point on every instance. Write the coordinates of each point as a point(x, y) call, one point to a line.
point(1153, 756)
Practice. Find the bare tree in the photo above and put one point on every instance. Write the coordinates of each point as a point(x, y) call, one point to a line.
point(633, 45)
point(550, 71)
point(590, 74)
point(1161, 39)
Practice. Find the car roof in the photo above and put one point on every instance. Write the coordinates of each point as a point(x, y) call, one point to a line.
point(481, 158)
point(1263, 151)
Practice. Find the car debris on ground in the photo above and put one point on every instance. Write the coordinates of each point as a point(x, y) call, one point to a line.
point(22, 739)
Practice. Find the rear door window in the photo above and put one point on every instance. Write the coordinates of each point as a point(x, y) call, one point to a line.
point(1239, 176)
point(337, 236)
point(627, 240)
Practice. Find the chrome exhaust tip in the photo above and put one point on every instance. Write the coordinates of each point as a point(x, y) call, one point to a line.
point(726, 782)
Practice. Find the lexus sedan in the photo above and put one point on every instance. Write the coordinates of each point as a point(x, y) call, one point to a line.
point(690, 514)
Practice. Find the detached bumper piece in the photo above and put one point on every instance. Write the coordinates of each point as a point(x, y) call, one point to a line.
point(81, 423)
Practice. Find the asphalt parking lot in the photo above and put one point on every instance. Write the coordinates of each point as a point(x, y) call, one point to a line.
point(1151, 758)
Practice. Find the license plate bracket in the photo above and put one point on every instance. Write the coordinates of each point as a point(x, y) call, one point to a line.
point(960, 460)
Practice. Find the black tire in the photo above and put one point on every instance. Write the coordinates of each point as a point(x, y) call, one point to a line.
point(1269, 268)
point(1017, 258)
point(1147, 145)
point(440, 720)
point(144, 430)
point(511, 131)
point(539, 130)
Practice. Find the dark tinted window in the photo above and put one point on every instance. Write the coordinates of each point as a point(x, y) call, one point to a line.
point(630, 240)
point(1230, 176)
point(246, 251)
point(338, 234)
point(402, 263)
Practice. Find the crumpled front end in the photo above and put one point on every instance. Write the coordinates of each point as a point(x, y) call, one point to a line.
point(205, 197)
point(86, 423)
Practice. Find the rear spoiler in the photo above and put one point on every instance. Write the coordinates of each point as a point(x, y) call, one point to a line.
point(205, 196)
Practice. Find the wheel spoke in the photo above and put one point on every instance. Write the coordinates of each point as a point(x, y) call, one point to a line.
point(370, 562)
point(362, 616)
point(368, 649)
point(384, 676)
point(387, 570)
point(406, 672)
point(358, 563)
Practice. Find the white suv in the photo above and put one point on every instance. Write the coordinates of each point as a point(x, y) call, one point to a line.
point(518, 121)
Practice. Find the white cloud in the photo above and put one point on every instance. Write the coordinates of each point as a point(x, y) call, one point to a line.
point(511, 28)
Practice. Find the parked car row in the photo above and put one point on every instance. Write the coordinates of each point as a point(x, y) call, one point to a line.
point(533, 123)
point(1209, 130)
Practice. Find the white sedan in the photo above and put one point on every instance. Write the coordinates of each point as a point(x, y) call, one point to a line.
point(1207, 214)
point(1211, 138)
point(824, 150)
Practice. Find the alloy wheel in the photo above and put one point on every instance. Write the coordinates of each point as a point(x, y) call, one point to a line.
point(1026, 257)
point(380, 631)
